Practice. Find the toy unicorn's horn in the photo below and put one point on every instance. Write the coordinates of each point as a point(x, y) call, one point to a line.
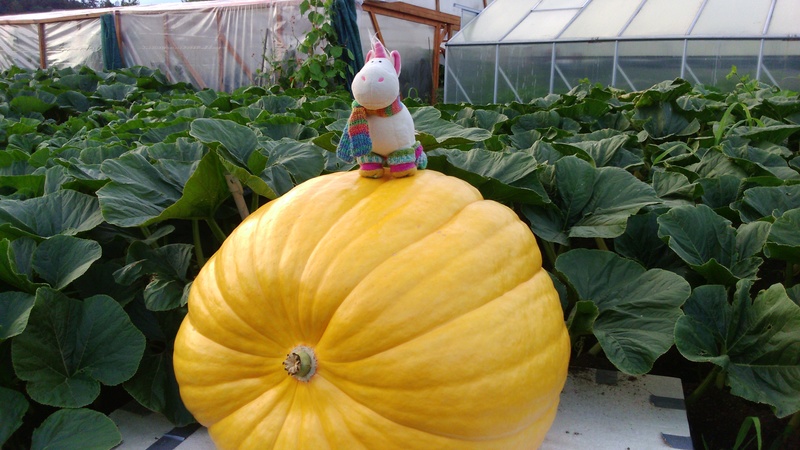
point(380, 50)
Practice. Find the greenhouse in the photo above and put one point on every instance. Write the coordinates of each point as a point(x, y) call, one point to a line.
point(517, 50)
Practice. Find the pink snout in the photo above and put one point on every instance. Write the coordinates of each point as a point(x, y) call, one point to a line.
point(380, 80)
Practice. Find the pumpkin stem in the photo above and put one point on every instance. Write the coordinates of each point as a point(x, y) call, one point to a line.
point(301, 363)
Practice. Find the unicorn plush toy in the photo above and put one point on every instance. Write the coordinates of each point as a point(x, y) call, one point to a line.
point(380, 131)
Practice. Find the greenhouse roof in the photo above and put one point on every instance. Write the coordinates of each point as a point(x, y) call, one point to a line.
point(520, 21)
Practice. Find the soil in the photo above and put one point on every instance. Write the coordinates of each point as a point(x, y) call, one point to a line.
point(715, 419)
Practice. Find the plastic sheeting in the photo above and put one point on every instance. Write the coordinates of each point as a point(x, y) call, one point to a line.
point(219, 47)
point(216, 44)
point(19, 46)
point(219, 44)
point(517, 50)
point(74, 43)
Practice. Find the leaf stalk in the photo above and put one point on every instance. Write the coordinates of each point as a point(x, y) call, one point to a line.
point(703, 387)
point(198, 248)
point(216, 230)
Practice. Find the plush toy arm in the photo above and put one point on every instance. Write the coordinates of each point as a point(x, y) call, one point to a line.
point(344, 150)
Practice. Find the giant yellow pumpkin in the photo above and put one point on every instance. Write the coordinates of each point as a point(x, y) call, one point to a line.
point(385, 314)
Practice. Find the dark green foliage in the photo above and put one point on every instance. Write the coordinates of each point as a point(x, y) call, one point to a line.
point(664, 216)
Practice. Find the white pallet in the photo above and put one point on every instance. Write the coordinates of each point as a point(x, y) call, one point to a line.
point(599, 410)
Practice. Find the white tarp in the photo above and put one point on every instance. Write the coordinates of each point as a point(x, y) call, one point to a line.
point(217, 44)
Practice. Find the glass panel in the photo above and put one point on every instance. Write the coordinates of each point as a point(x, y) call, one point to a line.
point(784, 19)
point(494, 22)
point(709, 62)
point(664, 18)
point(602, 19)
point(541, 25)
point(560, 4)
point(467, 16)
point(732, 18)
point(781, 64)
point(642, 64)
point(413, 41)
point(576, 61)
point(470, 74)
point(524, 72)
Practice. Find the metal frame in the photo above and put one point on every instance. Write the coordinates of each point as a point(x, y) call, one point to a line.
point(617, 71)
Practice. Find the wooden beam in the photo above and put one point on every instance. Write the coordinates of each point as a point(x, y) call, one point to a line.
point(167, 62)
point(42, 47)
point(70, 17)
point(443, 26)
point(374, 18)
point(412, 13)
point(118, 29)
point(437, 43)
point(220, 51)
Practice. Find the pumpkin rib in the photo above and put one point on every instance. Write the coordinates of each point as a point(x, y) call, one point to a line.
point(209, 300)
point(238, 420)
point(313, 194)
point(460, 438)
point(434, 327)
point(498, 233)
point(330, 272)
point(231, 258)
point(309, 302)
point(545, 386)
point(346, 394)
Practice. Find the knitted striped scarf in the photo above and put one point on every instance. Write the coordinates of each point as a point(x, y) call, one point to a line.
point(355, 139)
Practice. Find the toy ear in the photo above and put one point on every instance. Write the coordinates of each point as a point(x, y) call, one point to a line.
point(370, 55)
point(396, 58)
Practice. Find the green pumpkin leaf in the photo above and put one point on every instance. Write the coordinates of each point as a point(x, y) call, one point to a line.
point(605, 151)
point(500, 176)
point(479, 118)
point(754, 341)
point(63, 212)
point(154, 385)
point(15, 308)
point(72, 100)
point(70, 347)
point(434, 132)
point(285, 127)
point(239, 140)
point(289, 163)
point(708, 243)
point(61, 259)
point(783, 241)
point(28, 101)
point(637, 308)
point(767, 202)
point(142, 193)
point(673, 184)
point(277, 104)
point(165, 270)
point(641, 243)
point(14, 408)
point(16, 258)
point(590, 202)
point(662, 121)
point(76, 429)
point(720, 192)
point(115, 92)
point(760, 161)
